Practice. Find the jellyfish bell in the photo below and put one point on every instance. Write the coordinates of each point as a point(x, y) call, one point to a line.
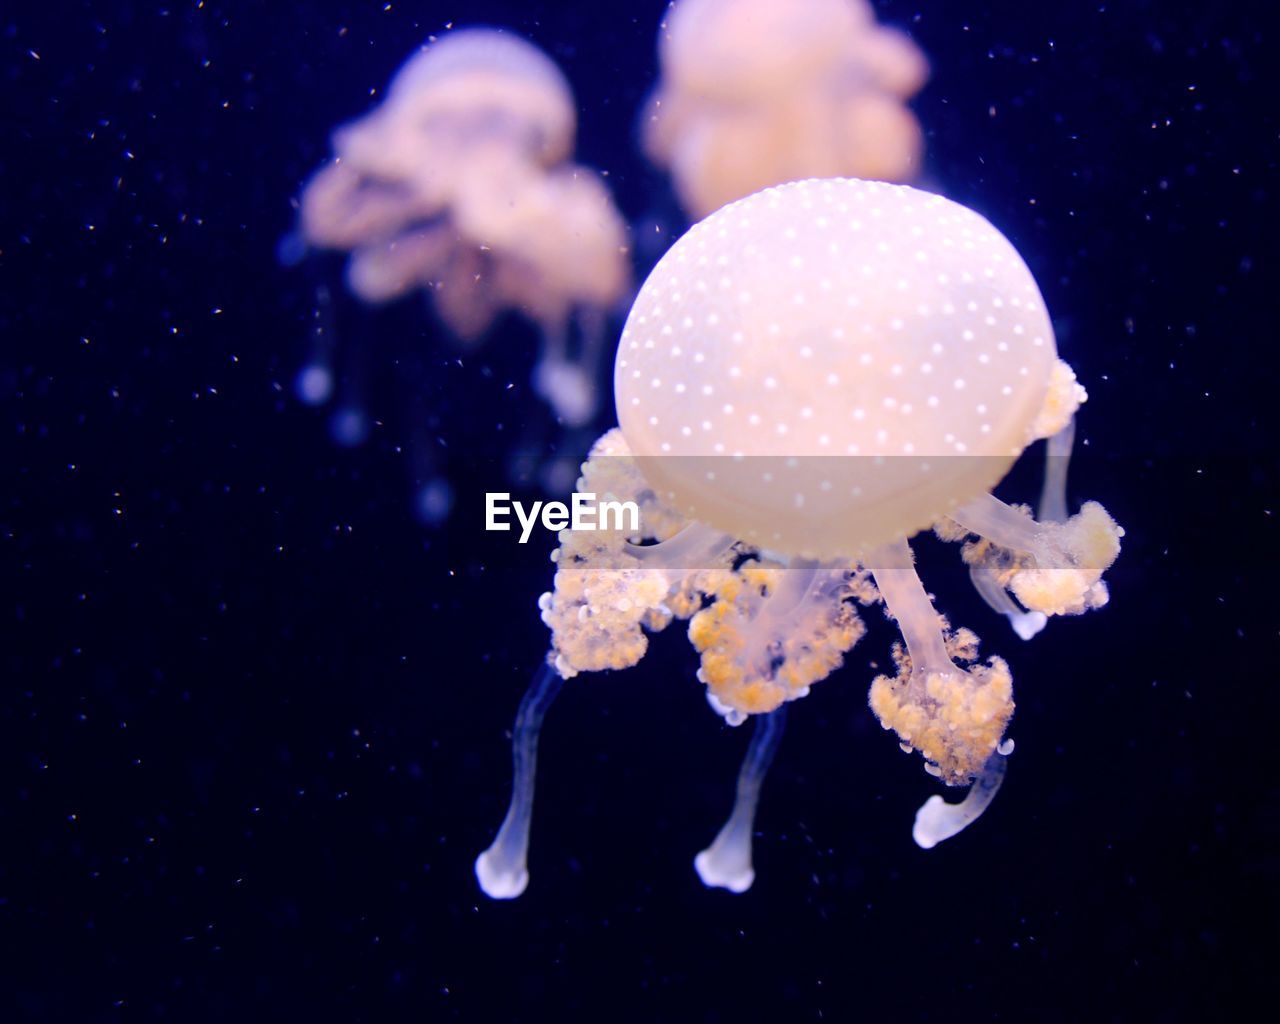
point(759, 92)
point(473, 98)
point(753, 50)
point(470, 88)
point(742, 149)
point(737, 49)
point(883, 358)
point(487, 79)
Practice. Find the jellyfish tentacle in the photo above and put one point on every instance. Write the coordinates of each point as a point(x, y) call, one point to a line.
point(1052, 509)
point(939, 819)
point(1025, 624)
point(1054, 568)
point(695, 546)
point(501, 870)
point(349, 421)
point(1002, 524)
point(905, 599)
point(555, 339)
point(726, 863)
point(571, 384)
point(797, 582)
point(773, 629)
point(614, 585)
point(315, 382)
point(592, 331)
point(1057, 459)
point(560, 382)
point(954, 716)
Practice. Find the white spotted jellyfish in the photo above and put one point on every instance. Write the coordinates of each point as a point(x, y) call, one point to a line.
point(808, 378)
point(459, 183)
point(758, 92)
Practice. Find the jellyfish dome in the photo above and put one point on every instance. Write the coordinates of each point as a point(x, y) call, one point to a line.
point(756, 47)
point(877, 321)
point(810, 377)
point(760, 92)
point(480, 80)
point(474, 91)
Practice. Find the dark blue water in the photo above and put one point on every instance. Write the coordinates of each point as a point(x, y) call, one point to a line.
point(253, 713)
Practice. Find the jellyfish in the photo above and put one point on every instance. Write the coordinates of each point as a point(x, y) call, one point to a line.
point(811, 376)
point(759, 92)
point(459, 184)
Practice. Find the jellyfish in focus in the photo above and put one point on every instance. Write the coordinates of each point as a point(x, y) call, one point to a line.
point(760, 92)
point(808, 378)
point(459, 184)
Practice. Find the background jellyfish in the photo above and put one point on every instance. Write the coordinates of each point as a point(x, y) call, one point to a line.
point(808, 378)
point(458, 185)
point(759, 92)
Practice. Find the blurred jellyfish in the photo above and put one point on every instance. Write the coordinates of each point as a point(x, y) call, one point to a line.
point(759, 92)
point(808, 378)
point(457, 184)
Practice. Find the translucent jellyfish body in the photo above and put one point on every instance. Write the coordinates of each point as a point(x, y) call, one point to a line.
point(808, 378)
point(760, 92)
point(457, 184)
